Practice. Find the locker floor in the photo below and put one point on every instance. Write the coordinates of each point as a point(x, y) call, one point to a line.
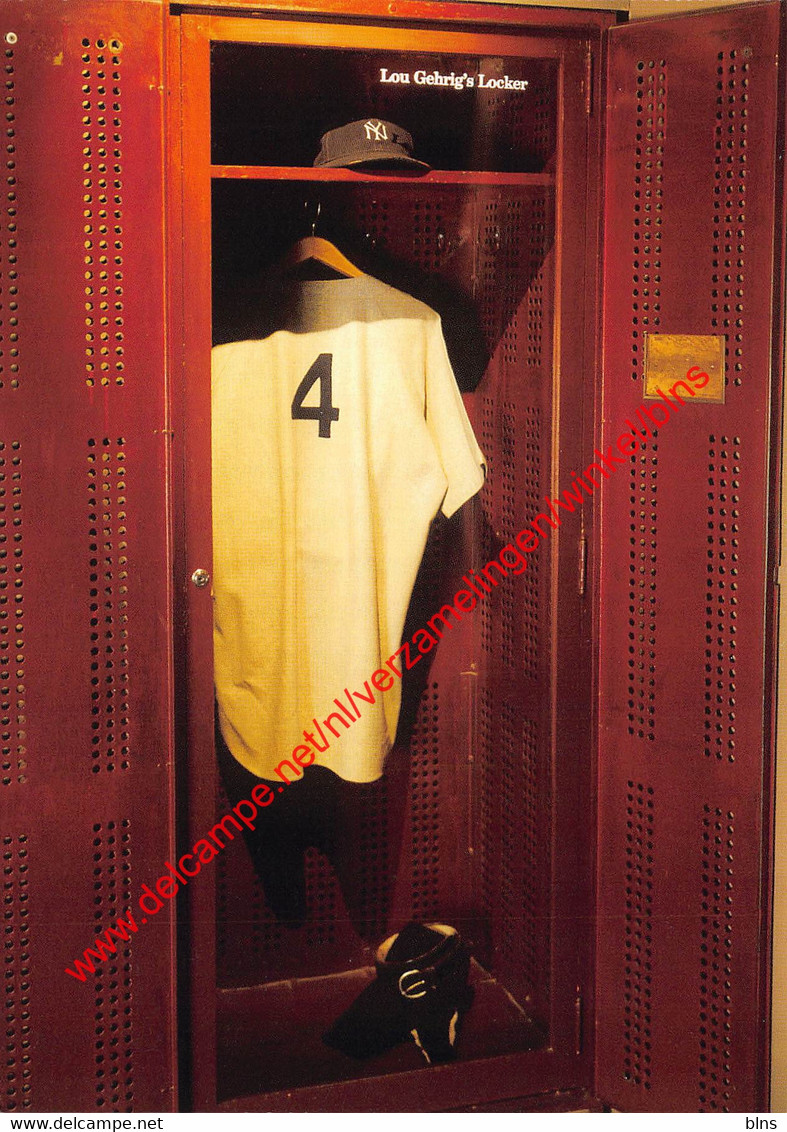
point(269, 1036)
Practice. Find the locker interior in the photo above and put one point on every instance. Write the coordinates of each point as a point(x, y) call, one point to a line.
point(464, 827)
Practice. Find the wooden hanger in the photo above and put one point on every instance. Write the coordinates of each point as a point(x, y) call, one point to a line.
point(323, 251)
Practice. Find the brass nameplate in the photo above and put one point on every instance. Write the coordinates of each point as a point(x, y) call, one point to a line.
point(696, 359)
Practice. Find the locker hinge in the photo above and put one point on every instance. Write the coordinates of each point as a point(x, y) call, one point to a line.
point(578, 1020)
point(582, 563)
point(589, 80)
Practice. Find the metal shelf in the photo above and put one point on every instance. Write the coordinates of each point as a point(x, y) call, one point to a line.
point(434, 177)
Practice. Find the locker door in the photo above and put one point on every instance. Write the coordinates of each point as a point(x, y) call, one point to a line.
point(84, 626)
point(685, 579)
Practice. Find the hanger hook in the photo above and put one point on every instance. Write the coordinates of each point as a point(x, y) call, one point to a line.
point(316, 217)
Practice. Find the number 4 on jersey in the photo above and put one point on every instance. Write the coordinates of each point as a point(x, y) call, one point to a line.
point(320, 370)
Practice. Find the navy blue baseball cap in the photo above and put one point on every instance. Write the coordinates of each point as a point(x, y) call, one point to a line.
point(369, 141)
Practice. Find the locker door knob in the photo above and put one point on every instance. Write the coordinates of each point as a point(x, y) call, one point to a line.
point(200, 578)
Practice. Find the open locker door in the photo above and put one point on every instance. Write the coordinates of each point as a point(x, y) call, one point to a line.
point(685, 663)
point(85, 687)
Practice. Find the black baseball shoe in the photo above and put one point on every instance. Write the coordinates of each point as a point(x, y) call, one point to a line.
point(420, 993)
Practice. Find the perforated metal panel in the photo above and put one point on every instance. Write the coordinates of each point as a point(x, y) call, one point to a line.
point(103, 182)
point(643, 592)
point(241, 911)
point(723, 567)
point(17, 984)
point(115, 1014)
point(648, 219)
point(638, 935)
point(9, 328)
point(716, 1053)
point(683, 742)
point(12, 625)
point(109, 606)
point(730, 204)
point(425, 828)
point(514, 738)
point(374, 864)
point(85, 713)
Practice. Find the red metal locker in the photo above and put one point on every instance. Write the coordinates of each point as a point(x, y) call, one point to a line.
point(85, 800)
point(685, 662)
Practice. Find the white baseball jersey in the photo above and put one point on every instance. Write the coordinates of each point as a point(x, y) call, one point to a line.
point(335, 442)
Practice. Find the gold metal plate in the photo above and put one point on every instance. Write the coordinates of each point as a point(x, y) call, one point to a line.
point(697, 360)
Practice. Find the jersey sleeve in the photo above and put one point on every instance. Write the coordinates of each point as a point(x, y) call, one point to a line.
point(452, 434)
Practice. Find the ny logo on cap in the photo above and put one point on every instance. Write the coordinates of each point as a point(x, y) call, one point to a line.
point(375, 131)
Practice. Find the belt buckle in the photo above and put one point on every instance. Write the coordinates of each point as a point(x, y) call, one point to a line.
point(418, 988)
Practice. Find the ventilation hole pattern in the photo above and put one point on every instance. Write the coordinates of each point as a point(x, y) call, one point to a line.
point(17, 975)
point(432, 232)
point(12, 639)
point(487, 437)
point(436, 553)
point(510, 818)
point(322, 899)
point(519, 833)
point(109, 572)
point(716, 1014)
point(519, 476)
point(486, 299)
point(373, 851)
point(425, 806)
point(373, 218)
point(537, 820)
point(263, 933)
point(515, 224)
point(509, 593)
point(529, 124)
point(9, 257)
point(102, 168)
point(488, 418)
point(114, 1039)
point(648, 205)
point(543, 117)
point(426, 231)
point(637, 994)
point(530, 486)
point(267, 933)
point(729, 207)
point(539, 234)
point(721, 596)
point(504, 231)
point(529, 583)
point(534, 868)
point(643, 601)
point(488, 795)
